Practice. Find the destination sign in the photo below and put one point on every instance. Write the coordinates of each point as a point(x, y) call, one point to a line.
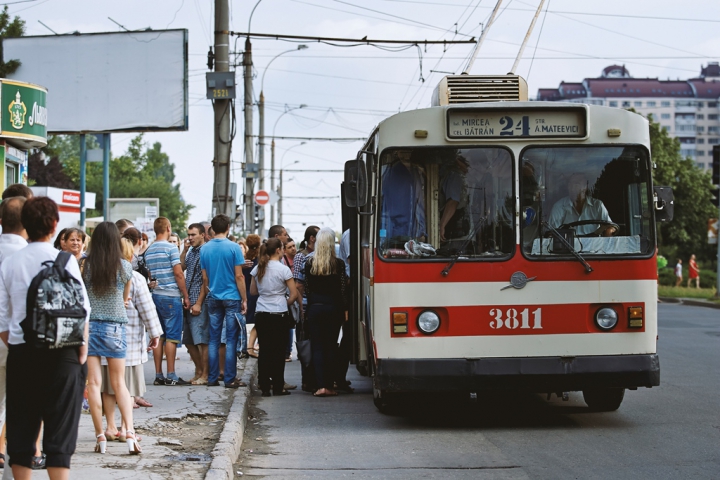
point(510, 123)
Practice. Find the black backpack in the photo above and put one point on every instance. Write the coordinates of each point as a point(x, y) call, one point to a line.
point(56, 314)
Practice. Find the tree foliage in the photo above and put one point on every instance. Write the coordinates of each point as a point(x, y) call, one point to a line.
point(9, 29)
point(687, 233)
point(141, 172)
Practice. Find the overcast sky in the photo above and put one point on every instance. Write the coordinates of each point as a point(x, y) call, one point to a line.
point(349, 90)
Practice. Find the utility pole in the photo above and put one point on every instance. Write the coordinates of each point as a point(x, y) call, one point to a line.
point(247, 77)
point(222, 197)
point(261, 155)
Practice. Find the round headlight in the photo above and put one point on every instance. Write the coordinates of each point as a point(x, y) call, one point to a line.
point(428, 321)
point(606, 318)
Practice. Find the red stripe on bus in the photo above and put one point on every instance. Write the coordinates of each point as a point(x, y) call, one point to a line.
point(500, 271)
point(494, 320)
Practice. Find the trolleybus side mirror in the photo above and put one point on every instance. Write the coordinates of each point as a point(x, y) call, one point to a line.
point(355, 183)
point(663, 203)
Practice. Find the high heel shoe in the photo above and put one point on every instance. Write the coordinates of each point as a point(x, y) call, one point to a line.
point(110, 437)
point(132, 443)
point(100, 445)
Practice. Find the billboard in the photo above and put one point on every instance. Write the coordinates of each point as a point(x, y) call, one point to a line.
point(107, 82)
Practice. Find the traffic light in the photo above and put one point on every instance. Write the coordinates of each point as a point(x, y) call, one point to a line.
point(716, 165)
point(256, 217)
point(716, 195)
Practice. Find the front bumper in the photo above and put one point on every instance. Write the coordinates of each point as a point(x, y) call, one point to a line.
point(535, 374)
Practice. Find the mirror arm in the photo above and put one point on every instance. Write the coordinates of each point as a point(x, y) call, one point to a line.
point(372, 208)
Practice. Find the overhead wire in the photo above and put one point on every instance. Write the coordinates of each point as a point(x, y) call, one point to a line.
point(537, 42)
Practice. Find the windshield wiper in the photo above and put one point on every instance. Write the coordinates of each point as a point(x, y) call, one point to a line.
point(462, 248)
point(571, 248)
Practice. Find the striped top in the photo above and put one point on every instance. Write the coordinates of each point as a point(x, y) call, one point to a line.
point(160, 258)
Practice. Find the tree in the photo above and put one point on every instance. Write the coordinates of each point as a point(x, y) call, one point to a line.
point(141, 172)
point(48, 174)
point(9, 29)
point(687, 233)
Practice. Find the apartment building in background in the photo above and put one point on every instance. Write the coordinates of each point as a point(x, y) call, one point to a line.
point(686, 109)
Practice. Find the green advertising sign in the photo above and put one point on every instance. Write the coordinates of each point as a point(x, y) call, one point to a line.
point(23, 113)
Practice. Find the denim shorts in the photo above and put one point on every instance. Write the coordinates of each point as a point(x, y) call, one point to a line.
point(170, 312)
point(107, 339)
point(196, 330)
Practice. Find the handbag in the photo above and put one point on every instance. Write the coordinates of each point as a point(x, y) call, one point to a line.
point(302, 344)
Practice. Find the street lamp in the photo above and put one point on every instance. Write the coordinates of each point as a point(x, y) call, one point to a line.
point(272, 154)
point(272, 186)
point(280, 194)
point(261, 114)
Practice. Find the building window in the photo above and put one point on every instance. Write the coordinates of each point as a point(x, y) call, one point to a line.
point(714, 141)
point(700, 129)
point(10, 175)
point(613, 103)
point(713, 129)
point(626, 104)
point(666, 128)
point(638, 104)
point(713, 116)
point(700, 153)
point(665, 104)
point(700, 104)
point(700, 116)
point(650, 104)
point(712, 104)
point(700, 165)
point(687, 152)
point(665, 116)
point(700, 141)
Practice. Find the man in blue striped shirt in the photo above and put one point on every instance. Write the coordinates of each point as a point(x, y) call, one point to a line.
point(170, 297)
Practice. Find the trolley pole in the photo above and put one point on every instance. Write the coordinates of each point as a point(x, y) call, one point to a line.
point(247, 77)
point(222, 201)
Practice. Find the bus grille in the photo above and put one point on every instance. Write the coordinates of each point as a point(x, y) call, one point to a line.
point(458, 89)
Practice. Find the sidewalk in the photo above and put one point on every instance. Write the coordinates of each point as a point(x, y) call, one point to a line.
point(178, 433)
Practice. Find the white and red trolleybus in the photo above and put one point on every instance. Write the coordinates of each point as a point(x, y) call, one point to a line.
point(505, 245)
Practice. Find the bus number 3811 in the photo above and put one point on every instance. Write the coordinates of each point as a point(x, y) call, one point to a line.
point(512, 319)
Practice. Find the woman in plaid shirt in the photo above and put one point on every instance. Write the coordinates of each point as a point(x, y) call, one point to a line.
point(141, 315)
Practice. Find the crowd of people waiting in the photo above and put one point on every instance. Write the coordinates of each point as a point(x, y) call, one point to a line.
point(202, 292)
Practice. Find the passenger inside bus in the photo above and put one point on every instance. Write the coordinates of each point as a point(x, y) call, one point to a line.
point(447, 201)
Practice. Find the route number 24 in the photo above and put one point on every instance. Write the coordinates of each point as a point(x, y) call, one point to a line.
point(522, 126)
point(512, 319)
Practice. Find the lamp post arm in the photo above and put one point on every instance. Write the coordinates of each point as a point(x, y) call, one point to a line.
point(262, 81)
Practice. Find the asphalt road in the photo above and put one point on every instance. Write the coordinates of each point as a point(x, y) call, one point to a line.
point(671, 431)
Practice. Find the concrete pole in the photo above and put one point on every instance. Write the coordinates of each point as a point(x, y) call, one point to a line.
point(222, 201)
point(247, 76)
point(272, 181)
point(83, 163)
point(261, 154)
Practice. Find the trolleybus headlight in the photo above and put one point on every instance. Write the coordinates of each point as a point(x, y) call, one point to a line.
point(606, 318)
point(428, 322)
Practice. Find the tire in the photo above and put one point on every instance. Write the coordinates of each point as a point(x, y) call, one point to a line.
point(604, 399)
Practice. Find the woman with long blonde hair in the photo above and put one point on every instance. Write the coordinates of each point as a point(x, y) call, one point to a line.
point(325, 287)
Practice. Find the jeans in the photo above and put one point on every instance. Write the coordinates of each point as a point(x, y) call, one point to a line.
point(222, 312)
point(242, 337)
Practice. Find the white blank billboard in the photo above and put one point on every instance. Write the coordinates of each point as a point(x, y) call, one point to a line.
point(106, 82)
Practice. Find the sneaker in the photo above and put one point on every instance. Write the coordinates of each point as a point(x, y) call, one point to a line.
point(180, 381)
point(159, 381)
point(170, 381)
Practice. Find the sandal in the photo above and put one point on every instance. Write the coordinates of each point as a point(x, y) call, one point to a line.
point(100, 445)
point(200, 381)
point(38, 463)
point(2, 460)
point(111, 437)
point(324, 392)
point(132, 443)
point(142, 402)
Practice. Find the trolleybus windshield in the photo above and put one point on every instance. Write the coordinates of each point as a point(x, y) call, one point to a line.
point(436, 203)
point(597, 197)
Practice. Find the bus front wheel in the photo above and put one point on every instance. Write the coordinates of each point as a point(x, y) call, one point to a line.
point(604, 399)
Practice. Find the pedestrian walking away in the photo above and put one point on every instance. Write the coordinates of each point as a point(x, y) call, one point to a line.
point(57, 399)
point(221, 262)
point(694, 272)
point(678, 273)
point(108, 278)
point(170, 297)
point(273, 283)
point(326, 290)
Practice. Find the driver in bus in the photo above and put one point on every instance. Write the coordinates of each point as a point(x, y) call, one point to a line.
point(577, 206)
point(403, 199)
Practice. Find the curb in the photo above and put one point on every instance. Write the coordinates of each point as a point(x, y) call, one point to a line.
point(227, 450)
point(690, 302)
